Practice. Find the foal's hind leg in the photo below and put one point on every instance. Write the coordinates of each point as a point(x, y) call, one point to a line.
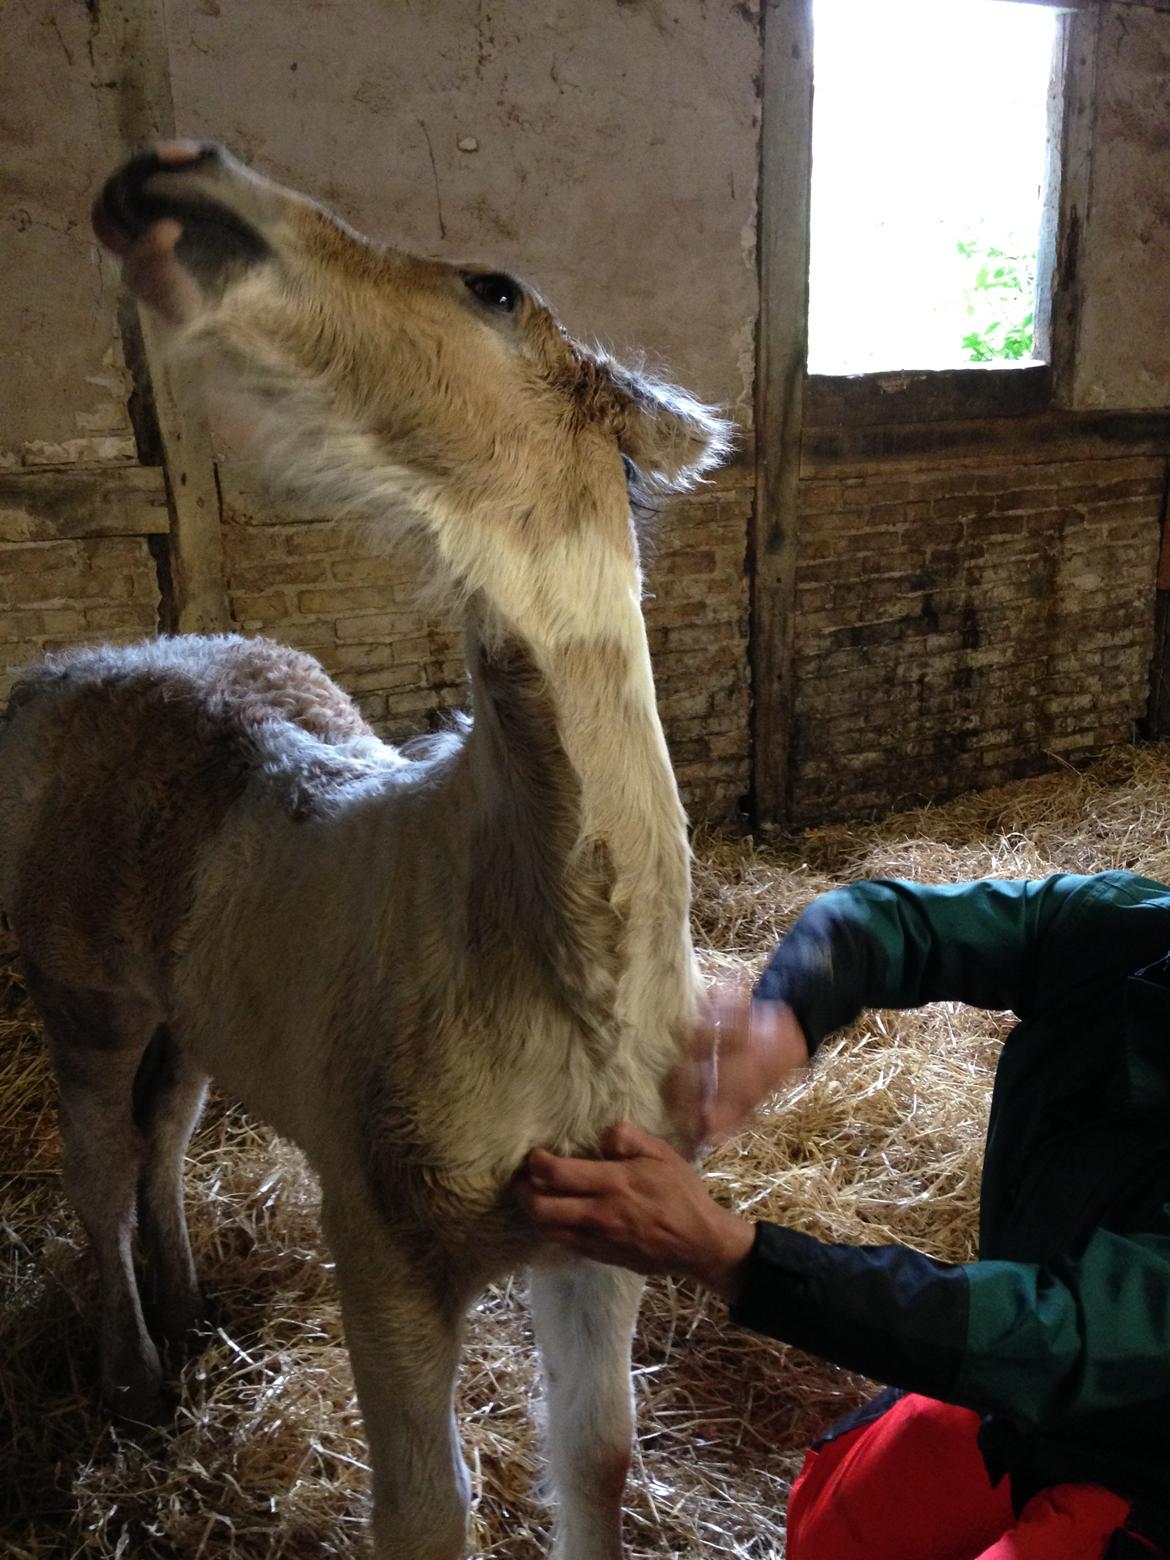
point(169, 1092)
point(96, 1042)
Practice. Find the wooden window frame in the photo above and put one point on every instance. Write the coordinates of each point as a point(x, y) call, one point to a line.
point(913, 395)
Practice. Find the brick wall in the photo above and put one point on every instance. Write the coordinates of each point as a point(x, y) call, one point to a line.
point(697, 623)
point(340, 591)
point(57, 590)
point(55, 594)
point(957, 627)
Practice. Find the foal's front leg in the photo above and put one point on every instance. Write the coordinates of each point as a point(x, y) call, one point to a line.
point(403, 1327)
point(584, 1317)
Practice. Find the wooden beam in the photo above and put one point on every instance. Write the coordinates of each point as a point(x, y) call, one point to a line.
point(132, 55)
point(841, 451)
point(1081, 37)
point(783, 259)
point(926, 395)
point(1064, 5)
point(55, 504)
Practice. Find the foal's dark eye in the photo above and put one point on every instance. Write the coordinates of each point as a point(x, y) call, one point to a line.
point(495, 290)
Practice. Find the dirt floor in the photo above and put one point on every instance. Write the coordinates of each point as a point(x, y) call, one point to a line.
point(264, 1456)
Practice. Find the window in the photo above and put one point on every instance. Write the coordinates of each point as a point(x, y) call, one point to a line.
point(932, 125)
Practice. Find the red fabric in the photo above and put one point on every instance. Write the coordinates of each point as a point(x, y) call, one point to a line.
point(912, 1486)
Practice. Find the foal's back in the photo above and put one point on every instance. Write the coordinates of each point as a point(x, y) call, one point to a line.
point(118, 767)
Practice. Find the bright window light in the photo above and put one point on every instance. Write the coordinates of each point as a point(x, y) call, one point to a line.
point(931, 124)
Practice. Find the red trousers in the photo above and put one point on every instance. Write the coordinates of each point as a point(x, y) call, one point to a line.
point(911, 1485)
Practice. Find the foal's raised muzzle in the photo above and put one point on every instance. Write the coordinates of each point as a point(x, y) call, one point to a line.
point(127, 205)
point(214, 199)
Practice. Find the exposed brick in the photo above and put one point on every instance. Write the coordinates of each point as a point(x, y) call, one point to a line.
point(272, 606)
point(22, 558)
point(379, 626)
point(330, 603)
point(111, 620)
point(817, 498)
point(254, 577)
point(371, 571)
point(372, 706)
point(254, 544)
point(961, 648)
point(337, 539)
point(345, 658)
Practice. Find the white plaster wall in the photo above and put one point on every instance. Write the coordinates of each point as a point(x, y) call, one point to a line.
point(63, 385)
point(616, 142)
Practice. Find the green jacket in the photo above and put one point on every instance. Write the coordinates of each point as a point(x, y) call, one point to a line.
point(1060, 1334)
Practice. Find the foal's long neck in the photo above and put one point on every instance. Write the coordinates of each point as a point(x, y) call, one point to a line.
point(568, 742)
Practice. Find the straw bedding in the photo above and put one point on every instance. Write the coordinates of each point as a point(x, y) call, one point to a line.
point(264, 1455)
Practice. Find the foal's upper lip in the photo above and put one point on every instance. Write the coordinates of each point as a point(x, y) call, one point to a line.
point(121, 211)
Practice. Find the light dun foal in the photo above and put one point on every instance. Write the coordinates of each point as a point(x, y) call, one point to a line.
point(416, 968)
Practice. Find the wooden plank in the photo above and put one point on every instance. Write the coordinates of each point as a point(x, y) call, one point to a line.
point(1052, 436)
point(1156, 725)
point(921, 395)
point(1068, 5)
point(131, 52)
point(56, 504)
point(785, 181)
point(1050, 191)
point(1163, 580)
point(1081, 43)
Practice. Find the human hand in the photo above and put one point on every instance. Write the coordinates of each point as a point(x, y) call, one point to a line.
point(641, 1207)
point(739, 1052)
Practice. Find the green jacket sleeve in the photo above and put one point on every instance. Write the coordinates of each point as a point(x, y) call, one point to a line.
point(1042, 1344)
point(889, 943)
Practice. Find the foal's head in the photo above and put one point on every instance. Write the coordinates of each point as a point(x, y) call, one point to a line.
point(371, 373)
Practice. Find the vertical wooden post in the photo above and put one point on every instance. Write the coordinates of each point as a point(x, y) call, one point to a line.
point(1081, 39)
point(1156, 725)
point(782, 353)
point(132, 59)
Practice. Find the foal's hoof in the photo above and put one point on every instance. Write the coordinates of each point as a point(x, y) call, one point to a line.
point(138, 1402)
point(132, 1388)
point(181, 1321)
point(183, 1330)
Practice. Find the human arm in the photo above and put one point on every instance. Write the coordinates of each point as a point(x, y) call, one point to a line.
point(992, 943)
point(1078, 1334)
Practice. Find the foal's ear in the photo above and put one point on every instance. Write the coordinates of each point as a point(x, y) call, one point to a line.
point(666, 433)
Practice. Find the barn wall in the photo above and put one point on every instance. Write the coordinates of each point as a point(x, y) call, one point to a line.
point(959, 625)
point(967, 607)
point(976, 572)
point(1119, 266)
point(76, 510)
point(460, 130)
point(654, 111)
